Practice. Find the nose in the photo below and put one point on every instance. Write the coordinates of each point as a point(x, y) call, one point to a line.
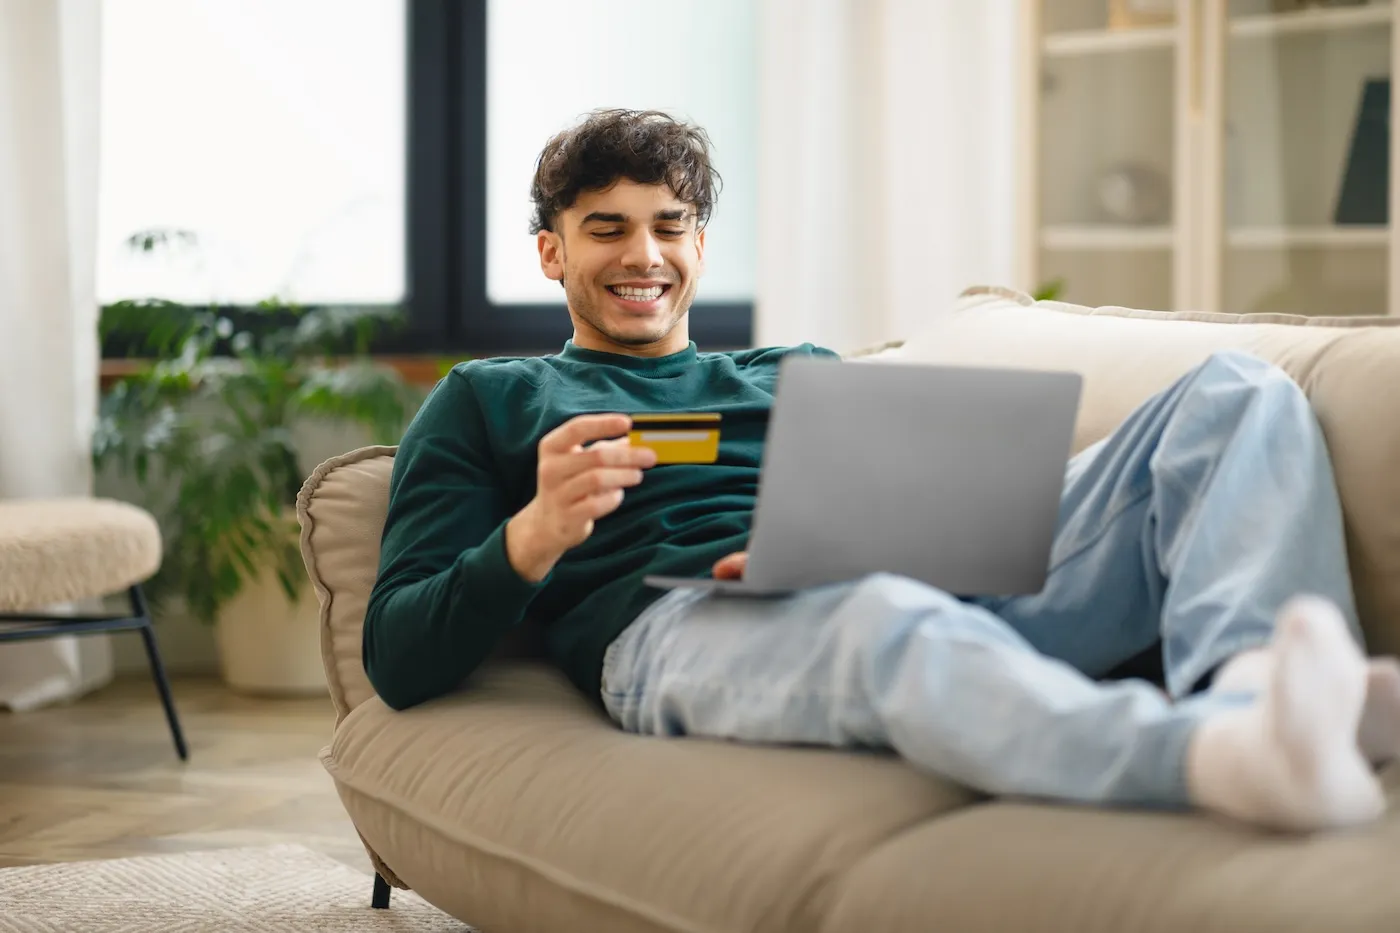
point(643, 252)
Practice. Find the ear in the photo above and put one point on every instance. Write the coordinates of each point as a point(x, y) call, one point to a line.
point(700, 251)
point(551, 247)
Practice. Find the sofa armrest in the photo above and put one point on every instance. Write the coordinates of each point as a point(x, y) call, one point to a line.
point(341, 508)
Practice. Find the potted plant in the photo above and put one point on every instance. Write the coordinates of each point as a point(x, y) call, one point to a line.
point(212, 429)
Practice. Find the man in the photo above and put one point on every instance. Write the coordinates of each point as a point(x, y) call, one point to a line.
point(1195, 524)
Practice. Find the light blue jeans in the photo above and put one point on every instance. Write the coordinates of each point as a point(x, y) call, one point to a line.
point(1190, 525)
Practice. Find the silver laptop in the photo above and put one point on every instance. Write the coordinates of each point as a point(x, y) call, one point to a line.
point(947, 474)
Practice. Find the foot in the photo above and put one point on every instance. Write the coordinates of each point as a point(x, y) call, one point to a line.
point(1247, 672)
point(1379, 733)
point(1291, 760)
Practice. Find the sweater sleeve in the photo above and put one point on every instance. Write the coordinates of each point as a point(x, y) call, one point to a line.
point(446, 591)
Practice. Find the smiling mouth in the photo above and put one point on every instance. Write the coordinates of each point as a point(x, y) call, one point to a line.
point(639, 295)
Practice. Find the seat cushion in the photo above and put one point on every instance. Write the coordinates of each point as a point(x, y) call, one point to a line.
point(63, 550)
point(1045, 869)
point(519, 806)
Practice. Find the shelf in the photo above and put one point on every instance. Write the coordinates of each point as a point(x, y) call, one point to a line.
point(1289, 237)
point(1110, 238)
point(1105, 237)
point(1315, 20)
point(1096, 41)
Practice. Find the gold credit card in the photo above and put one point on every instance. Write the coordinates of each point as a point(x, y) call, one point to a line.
point(678, 437)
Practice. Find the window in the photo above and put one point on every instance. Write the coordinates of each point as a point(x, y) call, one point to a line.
point(270, 131)
point(548, 61)
point(493, 79)
point(380, 151)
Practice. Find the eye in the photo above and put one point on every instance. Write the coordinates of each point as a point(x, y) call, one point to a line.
point(606, 234)
point(671, 231)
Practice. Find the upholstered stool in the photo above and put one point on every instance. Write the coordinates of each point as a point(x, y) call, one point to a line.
point(56, 551)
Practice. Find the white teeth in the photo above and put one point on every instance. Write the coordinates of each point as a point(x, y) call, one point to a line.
point(638, 294)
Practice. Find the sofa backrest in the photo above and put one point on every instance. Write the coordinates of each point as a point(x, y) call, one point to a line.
point(1349, 368)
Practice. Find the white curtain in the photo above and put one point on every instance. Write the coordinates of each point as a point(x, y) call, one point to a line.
point(886, 163)
point(49, 80)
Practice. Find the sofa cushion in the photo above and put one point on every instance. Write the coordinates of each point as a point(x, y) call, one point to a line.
point(341, 509)
point(519, 806)
point(1349, 368)
point(1080, 870)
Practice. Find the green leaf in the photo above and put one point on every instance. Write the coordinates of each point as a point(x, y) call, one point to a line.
point(1049, 291)
point(215, 443)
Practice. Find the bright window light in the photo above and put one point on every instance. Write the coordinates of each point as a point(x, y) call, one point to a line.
point(271, 130)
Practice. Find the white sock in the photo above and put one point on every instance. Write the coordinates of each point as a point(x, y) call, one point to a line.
point(1246, 671)
point(1378, 734)
point(1291, 759)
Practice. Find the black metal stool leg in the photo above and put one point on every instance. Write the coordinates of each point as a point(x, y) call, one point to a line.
point(380, 900)
point(148, 635)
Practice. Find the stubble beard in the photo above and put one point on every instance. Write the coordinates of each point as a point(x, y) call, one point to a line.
point(581, 299)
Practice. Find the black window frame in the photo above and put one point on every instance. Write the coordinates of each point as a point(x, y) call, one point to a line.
point(447, 310)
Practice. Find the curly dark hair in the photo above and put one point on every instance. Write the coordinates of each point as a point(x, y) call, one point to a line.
point(646, 146)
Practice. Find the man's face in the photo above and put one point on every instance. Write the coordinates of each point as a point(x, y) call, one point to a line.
point(630, 258)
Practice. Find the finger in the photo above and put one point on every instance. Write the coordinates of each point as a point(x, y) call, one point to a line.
point(597, 481)
point(731, 567)
point(595, 507)
point(581, 430)
point(620, 452)
point(561, 468)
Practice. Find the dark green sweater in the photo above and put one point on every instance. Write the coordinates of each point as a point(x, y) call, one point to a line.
point(446, 592)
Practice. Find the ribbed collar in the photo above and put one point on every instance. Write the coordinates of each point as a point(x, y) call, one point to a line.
point(643, 365)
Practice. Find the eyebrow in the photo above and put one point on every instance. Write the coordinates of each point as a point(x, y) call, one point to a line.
point(606, 218)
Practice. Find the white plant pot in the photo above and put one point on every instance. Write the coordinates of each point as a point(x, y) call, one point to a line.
point(269, 645)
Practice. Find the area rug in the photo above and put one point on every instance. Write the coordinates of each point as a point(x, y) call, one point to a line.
point(271, 889)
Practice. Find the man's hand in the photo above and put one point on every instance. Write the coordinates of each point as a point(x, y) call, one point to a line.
point(577, 485)
point(732, 567)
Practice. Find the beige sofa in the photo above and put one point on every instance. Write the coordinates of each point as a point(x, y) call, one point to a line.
point(517, 807)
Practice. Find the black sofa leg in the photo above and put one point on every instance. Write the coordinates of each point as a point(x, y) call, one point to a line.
point(380, 900)
point(138, 605)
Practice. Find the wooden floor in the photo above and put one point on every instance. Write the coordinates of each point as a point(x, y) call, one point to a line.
point(100, 779)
